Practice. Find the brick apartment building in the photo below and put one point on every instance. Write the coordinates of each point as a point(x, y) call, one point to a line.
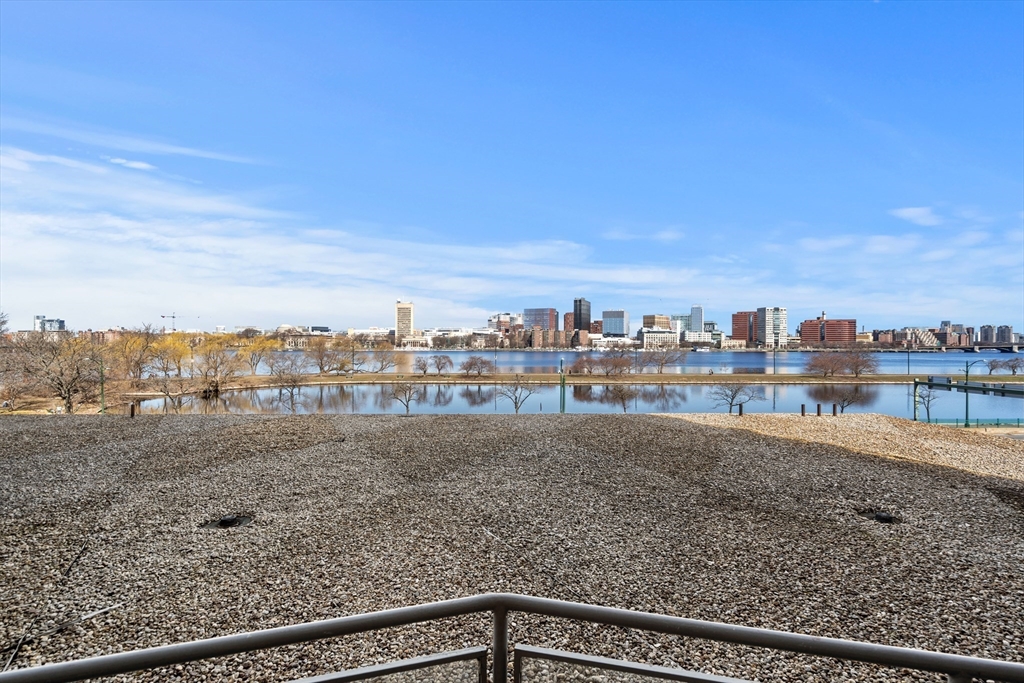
point(838, 331)
point(744, 326)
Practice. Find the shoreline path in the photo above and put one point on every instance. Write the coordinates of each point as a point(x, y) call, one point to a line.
point(754, 521)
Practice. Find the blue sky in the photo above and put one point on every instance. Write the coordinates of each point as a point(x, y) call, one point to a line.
point(257, 163)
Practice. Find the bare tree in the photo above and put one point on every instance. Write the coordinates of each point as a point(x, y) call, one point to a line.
point(1014, 365)
point(659, 359)
point(353, 355)
point(421, 365)
point(824, 364)
point(481, 396)
point(213, 365)
point(254, 349)
point(619, 394)
point(442, 363)
point(382, 358)
point(664, 396)
point(859, 362)
point(926, 396)
point(622, 357)
point(583, 365)
point(131, 351)
point(66, 365)
point(476, 364)
point(517, 392)
point(288, 370)
point(323, 354)
point(14, 382)
point(405, 393)
point(733, 395)
point(843, 395)
point(176, 388)
point(995, 366)
point(610, 364)
point(170, 354)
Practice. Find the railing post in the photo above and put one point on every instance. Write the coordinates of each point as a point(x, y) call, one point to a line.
point(499, 649)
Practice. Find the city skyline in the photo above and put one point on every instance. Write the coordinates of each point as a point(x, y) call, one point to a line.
point(477, 159)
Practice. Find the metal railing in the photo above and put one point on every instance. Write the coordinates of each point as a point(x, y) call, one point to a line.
point(959, 669)
point(981, 422)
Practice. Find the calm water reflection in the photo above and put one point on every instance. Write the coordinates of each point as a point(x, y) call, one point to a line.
point(615, 398)
point(717, 362)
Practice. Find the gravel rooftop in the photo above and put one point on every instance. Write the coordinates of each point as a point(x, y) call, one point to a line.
point(751, 521)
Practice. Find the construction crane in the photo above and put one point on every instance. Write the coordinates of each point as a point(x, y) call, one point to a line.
point(173, 317)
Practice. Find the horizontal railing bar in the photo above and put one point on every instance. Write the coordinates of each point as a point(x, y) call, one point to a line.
point(108, 665)
point(649, 670)
point(179, 653)
point(780, 640)
point(362, 673)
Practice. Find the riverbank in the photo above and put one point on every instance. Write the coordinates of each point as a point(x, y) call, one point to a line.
point(118, 395)
point(762, 522)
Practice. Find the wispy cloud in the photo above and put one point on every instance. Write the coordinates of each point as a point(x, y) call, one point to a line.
point(891, 244)
point(107, 140)
point(664, 235)
point(139, 165)
point(145, 244)
point(918, 215)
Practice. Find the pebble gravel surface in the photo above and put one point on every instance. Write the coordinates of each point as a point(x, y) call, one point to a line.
point(761, 521)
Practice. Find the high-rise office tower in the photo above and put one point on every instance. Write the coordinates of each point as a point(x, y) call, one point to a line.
point(616, 323)
point(581, 314)
point(403, 319)
point(544, 318)
point(696, 318)
point(771, 327)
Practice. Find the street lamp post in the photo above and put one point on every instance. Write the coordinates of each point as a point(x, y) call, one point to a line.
point(967, 392)
point(561, 388)
point(103, 394)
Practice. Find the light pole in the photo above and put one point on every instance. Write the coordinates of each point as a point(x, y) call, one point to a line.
point(908, 359)
point(967, 392)
point(561, 397)
point(103, 395)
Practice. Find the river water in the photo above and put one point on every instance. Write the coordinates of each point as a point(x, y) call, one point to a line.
point(921, 363)
point(891, 399)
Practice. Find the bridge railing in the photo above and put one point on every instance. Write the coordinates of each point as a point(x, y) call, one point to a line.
point(957, 668)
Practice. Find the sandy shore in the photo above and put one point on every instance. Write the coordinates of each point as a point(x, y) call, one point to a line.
point(751, 521)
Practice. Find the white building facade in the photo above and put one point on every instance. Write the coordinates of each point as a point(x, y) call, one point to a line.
point(772, 327)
